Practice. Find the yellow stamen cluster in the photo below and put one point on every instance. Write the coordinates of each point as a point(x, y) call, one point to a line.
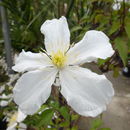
point(13, 119)
point(58, 59)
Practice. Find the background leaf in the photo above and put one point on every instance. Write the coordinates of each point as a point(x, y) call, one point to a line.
point(122, 48)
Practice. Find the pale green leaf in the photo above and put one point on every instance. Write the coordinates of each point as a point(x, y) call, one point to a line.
point(127, 29)
point(64, 112)
point(122, 48)
point(97, 123)
point(105, 129)
point(46, 117)
point(76, 28)
point(115, 26)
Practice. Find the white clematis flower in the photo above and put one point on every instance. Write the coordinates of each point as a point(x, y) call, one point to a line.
point(117, 4)
point(16, 118)
point(5, 99)
point(85, 91)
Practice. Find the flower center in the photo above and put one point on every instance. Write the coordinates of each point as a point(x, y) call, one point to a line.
point(58, 59)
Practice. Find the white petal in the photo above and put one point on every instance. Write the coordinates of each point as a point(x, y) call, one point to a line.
point(57, 35)
point(21, 116)
point(95, 44)
point(4, 103)
point(86, 92)
point(2, 88)
point(22, 126)
point(4, 96)
point(12, 127)
point(33, 89)
point(116, 6)
point(27, 61)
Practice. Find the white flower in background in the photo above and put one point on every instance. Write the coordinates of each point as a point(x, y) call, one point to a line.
point(117, 4)
point(85, 91)
point(5, 99)
point(2, 88)
point(4, 103)
point(16, 118)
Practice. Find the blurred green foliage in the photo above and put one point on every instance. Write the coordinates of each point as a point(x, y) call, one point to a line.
point(3, 76)
point(26, 17)
point(97, 124)
point(53, 116)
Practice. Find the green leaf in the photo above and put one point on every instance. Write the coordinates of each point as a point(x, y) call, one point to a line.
point(46, 117)
point(127, 29)
point(122, 48)
point(50, 129)
point(43, 107)
point(64, 124)
point(98, 18)
point(102, 61)
point(54, 104)
point(128, 45)
point(116, 72)
point(65, 112)
point(76, 28)
point(74, 128)
point(74, 117)
point(97, 123)
point(105, 129)
point(115, 27)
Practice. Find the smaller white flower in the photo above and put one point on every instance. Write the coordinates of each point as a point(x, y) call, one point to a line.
point(5, 99)
point(85, 91)
point(2, 88)
point(117, 4)
point(13, 77)
point(4, 103)
point(3, 96)
point(22, 126)
point(16, 118)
